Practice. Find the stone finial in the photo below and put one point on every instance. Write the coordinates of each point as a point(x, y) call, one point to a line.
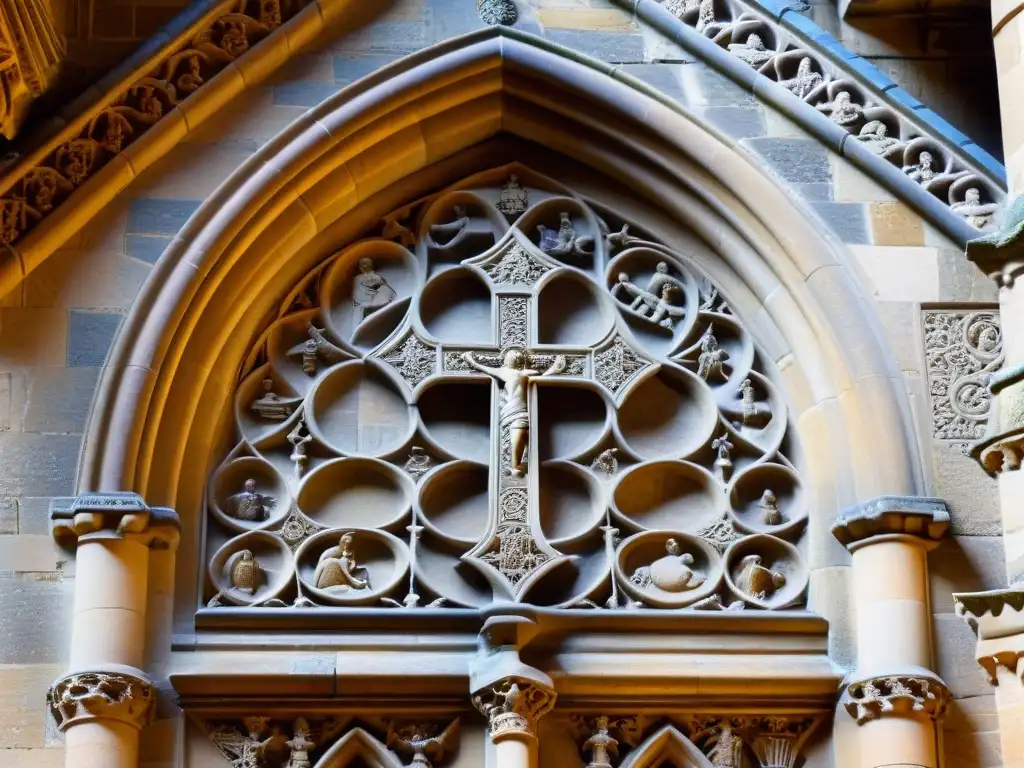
point(513, 706)
point(912, 694)
point(83, 696)
point(115, 514)
point(924, 517)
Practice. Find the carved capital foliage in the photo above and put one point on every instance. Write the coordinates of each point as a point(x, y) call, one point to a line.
point(926, 518)
point(122, 515)
point(513, 706)
point(905, 695)
point(31, 50)
point(101, 696)
point(997, 618)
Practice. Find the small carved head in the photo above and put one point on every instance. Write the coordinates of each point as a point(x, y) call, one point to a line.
point(250, 486)
point(925, 159)
point(246, 555)
point(417, 451)
point(805, 67)
point(345, 543)
point(751, 560)
point(662, 268)
point(768, 497)
point(268, 384)
point(515, 358)
point(672, 547)
point(513, 180)
point(365, 265)
point(842, 99)
point(972, 196)
point(623, 277)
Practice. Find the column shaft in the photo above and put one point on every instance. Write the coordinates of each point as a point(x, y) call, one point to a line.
point(1008, 34)
point(516, 753)
point(102, 744)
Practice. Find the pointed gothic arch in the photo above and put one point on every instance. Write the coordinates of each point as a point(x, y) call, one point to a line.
point(355, 745)
point(666, 747)
point(424, 123)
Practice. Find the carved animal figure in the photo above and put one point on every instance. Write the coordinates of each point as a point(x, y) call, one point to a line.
point(756, 580)
point(246, 575)
point(671, 573)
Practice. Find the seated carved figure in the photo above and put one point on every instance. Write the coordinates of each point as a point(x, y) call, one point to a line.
point(337, 568)
point(250, 505)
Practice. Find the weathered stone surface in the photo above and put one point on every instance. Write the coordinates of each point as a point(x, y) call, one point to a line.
point(667, 78)
point(737, 122)
point(158, 216)
point(37, 465)
point(965, 564)
point(37, 619)
point(32, 336)
point(54, 400)
point(960, 280)
point(972, 495)
point(801, 161)
point(613, 47)
point(954, 657)
point(895, 224)
point(34, 515)
point(831, 597)
point(708, 87)
point(815, 192)
point(8, 516)
point(899, 322)
point(971, 733)
point(303, 94)
point(90, 335)
point(22, 714)
point(348, 69)
point(847, 220)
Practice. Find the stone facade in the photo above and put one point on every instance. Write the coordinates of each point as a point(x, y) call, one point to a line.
point(896, 368)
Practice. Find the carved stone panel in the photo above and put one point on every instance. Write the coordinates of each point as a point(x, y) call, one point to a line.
point(523, 399)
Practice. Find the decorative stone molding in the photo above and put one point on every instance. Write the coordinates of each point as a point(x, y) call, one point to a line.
point(513, 706)
point(919, 693)
point(925, 518)
point(997, 618)
point(775, 740)
point(31, 50)
point(1000, 254)
point(40, 184)
point(1002, 447)
point(120, 514)
point(85, 696)
point(962, 350)
point(884, 129)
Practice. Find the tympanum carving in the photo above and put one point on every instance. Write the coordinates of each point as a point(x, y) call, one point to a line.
point(557, 409)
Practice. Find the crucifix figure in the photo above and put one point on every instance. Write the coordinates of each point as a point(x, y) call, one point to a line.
point(515, 376)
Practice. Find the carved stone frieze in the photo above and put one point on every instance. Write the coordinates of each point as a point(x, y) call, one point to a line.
point(896, 695)
point(515, 376)
point(513, 706)
point(34, 191)
point(85, 696)
point(31, 50)
point(425, 743)
point(75, 519)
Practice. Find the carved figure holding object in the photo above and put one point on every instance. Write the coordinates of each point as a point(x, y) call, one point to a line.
point(370, 291)
point(337, 568)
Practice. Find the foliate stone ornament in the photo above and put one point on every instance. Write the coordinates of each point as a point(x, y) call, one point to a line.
point(515, 267)
point(805, 80)
point(615, 364)
point(31, 50)
point(870, 699)
point(423, 742)
point(962, 349)
point(513, 318)
point(513, 706)
point(412, 357)
point(710, 363)
point(605, 464)
point(776, 739)
point(514, 199)
point(88, 696)
point(719, 534)
point(496, 12)
point(514, 551)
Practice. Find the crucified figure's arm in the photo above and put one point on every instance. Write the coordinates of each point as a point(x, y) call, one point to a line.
point(468, 357)
point(557, 366)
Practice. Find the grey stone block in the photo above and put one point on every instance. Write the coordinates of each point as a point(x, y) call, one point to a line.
point(613, 47)
point(819, 192)
point(348, 69)
point(34, 515)
point(972, 496)
point(450, 18)
point(38, 465)
point(954, 657)
point(302, 94)
point(90, 335)
point(402, 35)
point(960, 280)
point(8, 516)
point(799, 161)
point(717, 90)
point(153, 216)
point(37, 618)
point(737, 122)
point(965, 564)
point(847, 220)
point(667, 78)
point(148, 248)
point(56, 400)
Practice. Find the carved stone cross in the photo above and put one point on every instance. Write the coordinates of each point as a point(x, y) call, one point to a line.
point(513, 554)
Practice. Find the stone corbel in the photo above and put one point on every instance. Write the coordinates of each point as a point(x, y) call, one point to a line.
point(927, 519)
point(997, 618)
point(114, 515)
point(916, 693)
point(124, 695)
point(1000, 255)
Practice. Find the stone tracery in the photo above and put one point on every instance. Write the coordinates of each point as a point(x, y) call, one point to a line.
point(545, 500)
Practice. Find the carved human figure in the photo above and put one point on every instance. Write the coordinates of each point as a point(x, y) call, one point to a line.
point(922, 171)
point(271, 405)
point(873, 136)
point(659, 302)
point(750, 412)
point(337, 568)
point(250, 505)
point(756, 580)
point(710, 362)
point(418, 463)
point(299, 441)
point(671, 573)
point(973, 211)
point(370, 291)
point(842, 110)
point(723, 460)
point(805, 81)
point(449, 235)
point(601, 747)
point(770, 504)
point(726, 748)
point(245, 572)
point(514, 199)
point(514, 377)
point(558, 242)
point(300, 745)
point(752, 52)
point(605, 462)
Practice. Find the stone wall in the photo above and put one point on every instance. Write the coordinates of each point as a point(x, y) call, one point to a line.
point(55, 332)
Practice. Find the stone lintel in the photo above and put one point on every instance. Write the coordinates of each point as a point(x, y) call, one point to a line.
point(1000, 255)
point(112, 514)
point(920, 516)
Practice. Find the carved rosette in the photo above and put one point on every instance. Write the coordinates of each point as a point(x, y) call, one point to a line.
point(896, 695)
point(513, 706)
point(87, 696)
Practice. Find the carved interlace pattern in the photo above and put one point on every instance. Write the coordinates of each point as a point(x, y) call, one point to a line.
point(412, 358)
point(514, 551)
point(297, 528)
point(961, 350)
point(39, 190)
point(516, 267)
point(871, 699)
point(719, 534)
point(616, 364)
point(100, 695)
point(512, 320)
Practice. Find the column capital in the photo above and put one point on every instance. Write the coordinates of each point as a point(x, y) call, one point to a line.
point(113, 515)
point(1000, 255)
point(513, 705)
point(885, 517)
point(997, 618)
point(1002, 447)
point(911, 693)
point(122, 695)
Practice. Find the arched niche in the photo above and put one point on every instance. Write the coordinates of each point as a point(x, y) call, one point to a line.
point(158, 424)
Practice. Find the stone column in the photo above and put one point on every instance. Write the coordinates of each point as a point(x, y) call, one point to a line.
point(105, 699)
point(1008, 37)
point(892, 694)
